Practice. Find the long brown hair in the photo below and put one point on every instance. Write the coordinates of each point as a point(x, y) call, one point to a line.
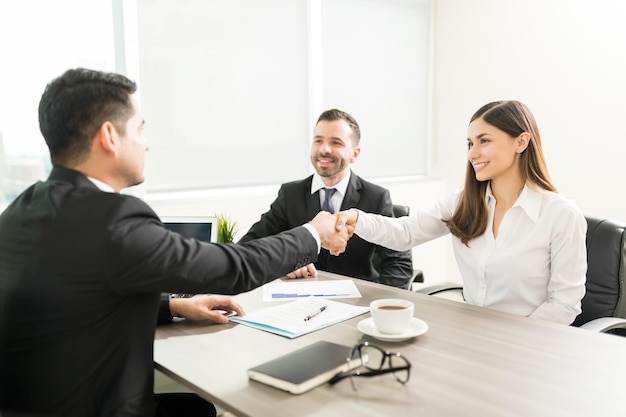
point(514, 118)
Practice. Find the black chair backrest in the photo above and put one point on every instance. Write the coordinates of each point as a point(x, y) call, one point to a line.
point(606, 260)
point(400, 210)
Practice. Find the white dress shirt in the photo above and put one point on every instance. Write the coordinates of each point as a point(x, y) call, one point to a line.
point(535, 267)
point(341, 187)
point(101, 185)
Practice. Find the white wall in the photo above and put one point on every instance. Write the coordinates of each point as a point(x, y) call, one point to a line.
point(247, 79)
point(564, 58)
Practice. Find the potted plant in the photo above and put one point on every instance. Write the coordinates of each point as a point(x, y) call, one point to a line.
point(225, 228)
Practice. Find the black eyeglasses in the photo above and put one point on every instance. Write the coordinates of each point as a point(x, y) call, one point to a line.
point(373, 359)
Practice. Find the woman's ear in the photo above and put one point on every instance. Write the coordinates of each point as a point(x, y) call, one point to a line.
point(522, 142)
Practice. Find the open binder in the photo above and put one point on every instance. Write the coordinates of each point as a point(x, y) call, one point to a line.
point(292, 319)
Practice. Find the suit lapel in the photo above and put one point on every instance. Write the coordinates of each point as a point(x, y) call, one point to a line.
point(353, 193)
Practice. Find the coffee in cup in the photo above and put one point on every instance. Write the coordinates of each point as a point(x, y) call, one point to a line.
point(392, 315)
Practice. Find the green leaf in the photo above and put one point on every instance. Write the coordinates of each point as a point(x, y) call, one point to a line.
point(225, 228)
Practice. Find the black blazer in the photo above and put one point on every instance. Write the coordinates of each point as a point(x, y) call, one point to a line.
point(295, 205)
point(81, 273)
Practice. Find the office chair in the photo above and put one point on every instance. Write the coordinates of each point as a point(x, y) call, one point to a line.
point(418, 276)
point(400, 210)
point(604, 303)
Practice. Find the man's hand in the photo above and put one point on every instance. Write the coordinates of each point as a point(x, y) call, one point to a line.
point(306, 271)
point(333, 235)
point(347, 218)
point(201, 308)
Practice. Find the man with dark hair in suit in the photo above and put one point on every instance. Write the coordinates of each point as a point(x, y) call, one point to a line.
point(335, 147)
point(82, 266)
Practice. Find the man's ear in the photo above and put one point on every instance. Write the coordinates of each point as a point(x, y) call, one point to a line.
point(107, 138)
point(355, 154)
point(522, 142)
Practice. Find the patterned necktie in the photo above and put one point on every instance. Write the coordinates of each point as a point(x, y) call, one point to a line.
point(327, 205)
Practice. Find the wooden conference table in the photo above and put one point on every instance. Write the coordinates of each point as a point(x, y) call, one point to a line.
point(472, 361)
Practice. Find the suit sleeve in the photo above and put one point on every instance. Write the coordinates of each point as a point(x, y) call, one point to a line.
point(272, 222)
point(145, 257)
point(165, 315)
point(396, 268)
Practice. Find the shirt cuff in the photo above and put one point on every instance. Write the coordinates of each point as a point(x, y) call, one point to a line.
point(315, 235)
point(363, 223)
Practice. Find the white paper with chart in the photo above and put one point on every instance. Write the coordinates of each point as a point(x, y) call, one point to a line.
point(296, 289)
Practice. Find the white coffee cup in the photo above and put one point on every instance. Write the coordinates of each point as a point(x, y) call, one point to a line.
point(392, 315)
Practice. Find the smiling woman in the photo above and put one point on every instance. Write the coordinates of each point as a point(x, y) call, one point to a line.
point(535, 263)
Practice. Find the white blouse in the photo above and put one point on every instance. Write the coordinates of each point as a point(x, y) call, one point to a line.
point(535, 267)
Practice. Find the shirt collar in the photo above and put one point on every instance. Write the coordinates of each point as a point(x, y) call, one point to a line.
point(101, 185)
point(529, 200)
point(341, 187)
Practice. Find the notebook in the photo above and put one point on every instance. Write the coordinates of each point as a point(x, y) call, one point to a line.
point(202, 228)
point(305, 368)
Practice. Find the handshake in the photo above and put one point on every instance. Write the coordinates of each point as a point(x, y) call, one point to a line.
point(335, 229)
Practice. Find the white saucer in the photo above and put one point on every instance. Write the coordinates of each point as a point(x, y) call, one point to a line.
point(417, 327)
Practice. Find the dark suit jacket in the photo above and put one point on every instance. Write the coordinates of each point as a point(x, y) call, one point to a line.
point(81, 273)
point(295, 204)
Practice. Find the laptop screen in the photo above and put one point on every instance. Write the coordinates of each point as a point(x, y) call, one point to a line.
point(200, 228)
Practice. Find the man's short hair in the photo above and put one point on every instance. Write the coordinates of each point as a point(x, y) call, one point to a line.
point(75, 105)
point(335, 114)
